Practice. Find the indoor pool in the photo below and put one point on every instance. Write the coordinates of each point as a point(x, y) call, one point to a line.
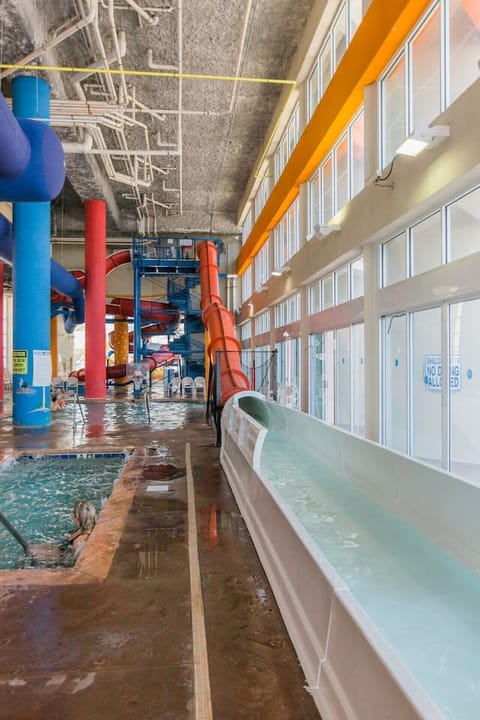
point(423, 601)
point(163, 415)
point(37, 494)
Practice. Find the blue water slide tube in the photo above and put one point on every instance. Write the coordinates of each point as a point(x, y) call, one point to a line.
point(61, 280)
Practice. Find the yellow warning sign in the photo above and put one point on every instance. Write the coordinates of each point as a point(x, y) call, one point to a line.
point(20, 362)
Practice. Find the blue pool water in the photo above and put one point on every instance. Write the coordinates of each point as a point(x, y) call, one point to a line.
point(163, 415)
point(425, 603)
point(37, 495)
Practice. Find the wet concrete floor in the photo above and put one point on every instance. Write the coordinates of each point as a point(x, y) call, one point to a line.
point(122, 648)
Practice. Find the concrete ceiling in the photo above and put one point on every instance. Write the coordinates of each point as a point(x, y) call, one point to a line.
point(195, 141)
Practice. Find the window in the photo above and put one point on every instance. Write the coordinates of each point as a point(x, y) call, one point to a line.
point(247, 283)
point(451, 233)
point(437, 63)
point(426, 245)
point(394, 260)
point(286, 237)
point(262, 266)
point(337, 39)
point(340, 176)
point(287, 143)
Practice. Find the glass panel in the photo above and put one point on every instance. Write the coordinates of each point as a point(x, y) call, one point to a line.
point(464, 46)
point(341, 285)
point(340, 37)
point(395, 260)
point(329, 378)
point(327, 191)
point(314, 198)
point(314, 298)
point(464, 389)
point(426, 67)
point(356, 14)
point(358, 155)
point(342, 380)
point(464, 221)
point(394, 124)
point(426, 244)
point(395, 391)
point(357, 279)
point(327, 292)
point(325, 66)
point(427, 386)
point(358, 380)
point(313, 90)
point(317, 376)
point(341, 163)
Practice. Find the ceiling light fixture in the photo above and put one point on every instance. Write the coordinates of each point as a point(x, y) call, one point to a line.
point(422, 139)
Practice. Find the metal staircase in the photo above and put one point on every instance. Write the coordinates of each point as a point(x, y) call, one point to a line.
point(175, 261)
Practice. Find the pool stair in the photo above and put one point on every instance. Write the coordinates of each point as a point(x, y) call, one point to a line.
point(351, 670)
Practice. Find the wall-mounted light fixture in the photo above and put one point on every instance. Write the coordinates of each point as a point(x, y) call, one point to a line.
point(420, 140)
point(280, 271)
point(286, 334)
point(321, 231)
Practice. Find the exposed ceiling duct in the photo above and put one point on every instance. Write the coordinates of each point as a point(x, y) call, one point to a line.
point(162, 108)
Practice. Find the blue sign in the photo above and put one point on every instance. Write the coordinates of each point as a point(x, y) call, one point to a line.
point(432, 375)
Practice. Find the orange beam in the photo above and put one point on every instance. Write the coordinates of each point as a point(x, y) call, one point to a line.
point(382, 32)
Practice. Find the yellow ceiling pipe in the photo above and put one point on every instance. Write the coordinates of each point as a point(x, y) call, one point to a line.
point(381, 33)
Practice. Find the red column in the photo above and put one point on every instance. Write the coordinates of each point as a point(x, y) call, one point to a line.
point(1, 332)
point(95, 297)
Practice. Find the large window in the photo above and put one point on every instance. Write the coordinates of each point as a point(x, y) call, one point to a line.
point(262, 266)
point(337, 39)
point(336, 288)
point(437, 63)
point(337, 379)
point(287, 143)
point(287, 237)
point(339, 177)
point(449, 234)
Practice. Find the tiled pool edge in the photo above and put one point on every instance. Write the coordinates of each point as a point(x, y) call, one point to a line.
point(96, 559)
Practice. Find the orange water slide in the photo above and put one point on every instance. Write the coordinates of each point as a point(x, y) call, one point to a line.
point(220, 326)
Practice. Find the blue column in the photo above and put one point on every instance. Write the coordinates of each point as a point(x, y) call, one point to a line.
point(31, 281)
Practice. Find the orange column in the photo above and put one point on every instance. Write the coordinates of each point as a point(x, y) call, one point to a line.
point(120, 345)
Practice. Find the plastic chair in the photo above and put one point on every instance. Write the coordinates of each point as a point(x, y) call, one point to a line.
point(199, 385)
point(187, 386)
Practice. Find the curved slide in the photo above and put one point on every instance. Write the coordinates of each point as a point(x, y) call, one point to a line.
point(220, 326)
point(62, 281)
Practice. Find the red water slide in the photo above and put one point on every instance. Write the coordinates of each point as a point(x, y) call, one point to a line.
point(161, 313)
point(220, 326)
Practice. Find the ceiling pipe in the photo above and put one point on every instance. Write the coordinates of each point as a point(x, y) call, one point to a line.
point(79, 147)
point(149, 18)
point(57, 39)
point(155, 66)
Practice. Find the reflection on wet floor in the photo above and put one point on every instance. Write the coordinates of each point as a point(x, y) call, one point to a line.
point(121, 647)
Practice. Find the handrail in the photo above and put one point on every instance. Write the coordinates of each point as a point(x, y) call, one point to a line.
point(17, 536)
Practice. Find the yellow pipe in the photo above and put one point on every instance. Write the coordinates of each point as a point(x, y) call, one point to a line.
point(381, 33)
point(146, 73)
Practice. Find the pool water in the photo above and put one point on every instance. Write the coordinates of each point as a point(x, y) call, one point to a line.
point(425, 603)
point(163, 415)
point(37, 495)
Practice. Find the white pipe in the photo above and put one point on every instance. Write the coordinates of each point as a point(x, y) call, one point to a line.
point(141, 11)
point(56, 40)
point(154, 66)
point(79, 147)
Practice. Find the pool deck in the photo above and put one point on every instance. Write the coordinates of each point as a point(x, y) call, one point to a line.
point(113, 638)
